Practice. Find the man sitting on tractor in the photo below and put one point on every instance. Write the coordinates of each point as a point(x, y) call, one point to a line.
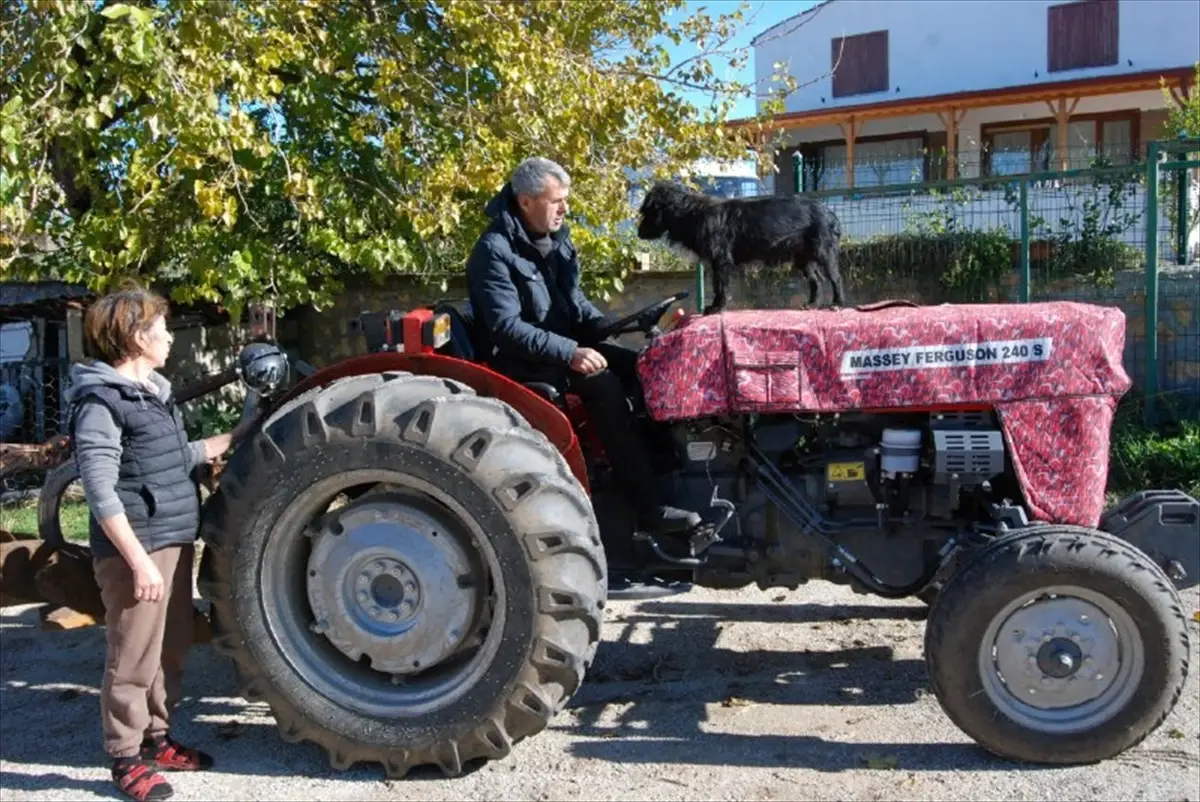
point(540, 329)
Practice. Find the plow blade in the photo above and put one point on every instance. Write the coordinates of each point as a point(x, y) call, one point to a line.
point(62, 580)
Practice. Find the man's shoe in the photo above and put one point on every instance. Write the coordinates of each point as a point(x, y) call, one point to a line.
point(664, 520)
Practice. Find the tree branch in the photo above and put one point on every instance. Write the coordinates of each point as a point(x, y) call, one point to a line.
point(813, 14)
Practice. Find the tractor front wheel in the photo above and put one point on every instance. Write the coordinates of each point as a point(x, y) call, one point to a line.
point(406, 572)
point(1058, 645)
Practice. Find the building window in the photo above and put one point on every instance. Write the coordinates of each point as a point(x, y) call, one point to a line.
point(859, 64)
point(877, 163)
point(1081, 34)
point(1020, 148)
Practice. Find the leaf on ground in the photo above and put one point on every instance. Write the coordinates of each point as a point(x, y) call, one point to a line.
point(1175, 733)
point(880, 762)
point(735, 701)
point(1196, 616)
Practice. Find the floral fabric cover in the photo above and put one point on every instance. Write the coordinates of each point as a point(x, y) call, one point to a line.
point(1052, 371)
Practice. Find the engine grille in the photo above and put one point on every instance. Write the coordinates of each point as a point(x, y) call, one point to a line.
point(971, 455)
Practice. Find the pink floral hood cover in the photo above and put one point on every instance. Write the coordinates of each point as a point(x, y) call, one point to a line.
point(1052, 372)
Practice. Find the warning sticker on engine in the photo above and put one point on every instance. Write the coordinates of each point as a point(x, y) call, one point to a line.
point(846, 471)
point(932, 357)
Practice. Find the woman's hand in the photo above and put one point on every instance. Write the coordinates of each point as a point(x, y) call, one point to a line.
point(147, 581)
point(217, 445)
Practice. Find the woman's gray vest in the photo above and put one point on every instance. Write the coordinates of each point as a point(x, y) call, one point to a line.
point(161, 499)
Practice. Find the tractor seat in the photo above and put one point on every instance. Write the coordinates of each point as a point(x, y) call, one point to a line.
point(467, 342)
point(466, 338)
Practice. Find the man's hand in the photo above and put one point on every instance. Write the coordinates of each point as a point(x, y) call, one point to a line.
point(588, 361)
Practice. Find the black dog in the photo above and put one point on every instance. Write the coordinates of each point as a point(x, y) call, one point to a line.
point(731, 233)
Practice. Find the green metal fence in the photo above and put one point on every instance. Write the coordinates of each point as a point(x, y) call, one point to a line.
point(1172, 376)
point(1106, 234)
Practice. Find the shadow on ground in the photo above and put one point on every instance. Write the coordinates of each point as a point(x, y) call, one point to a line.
point(647, 699)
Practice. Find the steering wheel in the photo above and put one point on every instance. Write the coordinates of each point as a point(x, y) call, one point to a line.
point(644, 320)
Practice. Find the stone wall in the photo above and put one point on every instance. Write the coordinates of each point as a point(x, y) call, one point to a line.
point(1178, 324)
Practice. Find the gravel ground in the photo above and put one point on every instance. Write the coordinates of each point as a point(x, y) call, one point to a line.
point(814, 694)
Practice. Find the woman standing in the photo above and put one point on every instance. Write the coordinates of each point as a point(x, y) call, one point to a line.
point(136, 466)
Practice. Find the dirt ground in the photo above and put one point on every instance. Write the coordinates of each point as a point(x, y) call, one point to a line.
point(815, 694)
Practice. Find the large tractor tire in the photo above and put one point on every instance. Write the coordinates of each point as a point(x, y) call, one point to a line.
point(50, 500)
point(445, 611)
point(1060, 645)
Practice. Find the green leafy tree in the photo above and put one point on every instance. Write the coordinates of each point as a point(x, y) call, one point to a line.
point(1183, 122)
point(1183, 119)
point(232, 150)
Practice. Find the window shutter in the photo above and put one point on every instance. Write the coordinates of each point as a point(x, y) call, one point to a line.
point(864, 64)
point(1082, 34)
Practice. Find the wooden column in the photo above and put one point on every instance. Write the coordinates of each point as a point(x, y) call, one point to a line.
point(1182, 92)
point(950, 120)
point(850, 132)
point(1062, 116)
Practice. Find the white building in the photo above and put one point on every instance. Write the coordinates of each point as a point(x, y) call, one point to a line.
point(916, 90)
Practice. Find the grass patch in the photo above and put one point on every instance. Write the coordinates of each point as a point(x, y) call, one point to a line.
point(1167, 458)
point(21, 518)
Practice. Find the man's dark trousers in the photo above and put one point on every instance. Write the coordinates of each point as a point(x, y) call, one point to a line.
point(607, 395)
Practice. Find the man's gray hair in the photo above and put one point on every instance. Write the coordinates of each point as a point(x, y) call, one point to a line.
point(530, 176)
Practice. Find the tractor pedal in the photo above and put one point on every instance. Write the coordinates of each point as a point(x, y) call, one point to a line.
point(704, 536)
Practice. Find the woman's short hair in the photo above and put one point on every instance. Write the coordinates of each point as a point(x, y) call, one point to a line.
point(112, 321)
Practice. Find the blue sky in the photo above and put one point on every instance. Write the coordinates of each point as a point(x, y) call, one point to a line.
point(761, 15)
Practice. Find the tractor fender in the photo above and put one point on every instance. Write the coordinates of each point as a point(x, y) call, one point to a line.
point(541, 413)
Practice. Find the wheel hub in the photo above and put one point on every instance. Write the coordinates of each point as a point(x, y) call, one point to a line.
point(1060, 658)
point(388, 591)
point(389, 579)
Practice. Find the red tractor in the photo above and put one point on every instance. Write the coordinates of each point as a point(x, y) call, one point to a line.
point(407, 559)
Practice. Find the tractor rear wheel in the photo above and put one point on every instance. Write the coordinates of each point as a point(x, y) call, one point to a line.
point(406, 572)
point(1058, 645)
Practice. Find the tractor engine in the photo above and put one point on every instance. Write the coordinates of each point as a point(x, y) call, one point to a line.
point(892, 491)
